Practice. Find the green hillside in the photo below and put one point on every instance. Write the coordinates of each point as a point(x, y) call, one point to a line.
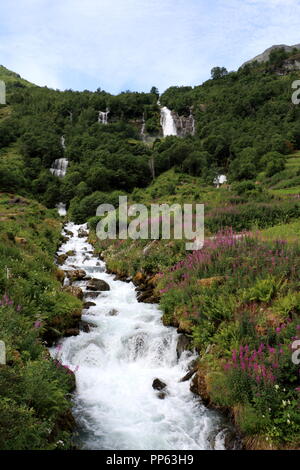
point(13, 79)
point(237, 300)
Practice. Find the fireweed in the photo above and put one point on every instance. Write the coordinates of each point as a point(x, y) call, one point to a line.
point(248, 314)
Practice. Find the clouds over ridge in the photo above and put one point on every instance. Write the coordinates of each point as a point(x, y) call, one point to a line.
point(135, 44)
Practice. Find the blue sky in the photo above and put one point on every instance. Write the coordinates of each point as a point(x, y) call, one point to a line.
point(135, 44)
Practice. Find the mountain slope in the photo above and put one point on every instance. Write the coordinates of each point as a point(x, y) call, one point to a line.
point(265, 56)
point(13, 79)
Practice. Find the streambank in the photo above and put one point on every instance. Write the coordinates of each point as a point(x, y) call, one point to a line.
point(211, 307)
point(146, 288)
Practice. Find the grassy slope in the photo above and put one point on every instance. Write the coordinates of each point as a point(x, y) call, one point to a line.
point(227, 306)
point(12, 78)
point(35, 404)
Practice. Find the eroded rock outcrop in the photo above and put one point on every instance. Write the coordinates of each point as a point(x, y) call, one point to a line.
point(185, 125)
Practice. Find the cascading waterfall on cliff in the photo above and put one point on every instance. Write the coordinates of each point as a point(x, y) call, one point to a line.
point(143, 135)
point(167, 122)
point(63, 142)
point(59, 169)
point(103, 116)
point(115, 364)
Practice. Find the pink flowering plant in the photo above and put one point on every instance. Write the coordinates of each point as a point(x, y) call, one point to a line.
point(238, 299)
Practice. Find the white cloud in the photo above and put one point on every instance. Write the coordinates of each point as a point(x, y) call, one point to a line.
point(119, 44)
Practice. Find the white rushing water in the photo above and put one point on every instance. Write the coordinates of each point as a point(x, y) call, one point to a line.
point(103, 116)
point(115, 364)
point(219, 180)
point(167, 122)
point(63, 142)
point(59, 167)
point(61, 209)
point(143, 135)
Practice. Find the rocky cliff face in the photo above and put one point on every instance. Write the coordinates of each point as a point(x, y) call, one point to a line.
point(185, 125)
point(264, 57)
point(291, 64)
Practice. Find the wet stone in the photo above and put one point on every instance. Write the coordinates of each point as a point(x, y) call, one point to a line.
point(158, 384)
point(87, 305)
point(97, 285)
point(113, 312)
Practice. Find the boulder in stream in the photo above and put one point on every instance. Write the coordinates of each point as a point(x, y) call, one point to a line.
point(84, 326)
point(76, 291)
point(76, 274)
point(188, 375)
point(82, 233)
point(71, 253)
point(113, 312)
point(183, 344)
point(97, 285)
point(92, 294)
point(61, 258)
point(69, 233)
point(87, 305)
point(158, 384)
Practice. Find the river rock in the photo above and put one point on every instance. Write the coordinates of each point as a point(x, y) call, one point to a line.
point(188, 375)
point(97, 285)
point(199, 386)
point(71, 253)
point(144, 296)
point(87, 305)
point(76, 291)
point(84, 326)
point(61, 258)
point(71, 332)
point(193, 364)
point(158, 384)
point(113, 312)
point(82, 233)
point(76, 274)
point(69, 233)
point(92, 294)
point(183, 344)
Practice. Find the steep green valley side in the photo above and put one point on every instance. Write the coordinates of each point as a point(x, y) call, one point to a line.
point(35, 391)
point(236, 300)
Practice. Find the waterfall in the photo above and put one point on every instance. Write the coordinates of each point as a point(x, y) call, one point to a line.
point(115, 364)
point(63, 142)
point(59, 167)
point(167, 122)
point(143, 135)
point(219, 180)
point(103, 116)
point(61, 209)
